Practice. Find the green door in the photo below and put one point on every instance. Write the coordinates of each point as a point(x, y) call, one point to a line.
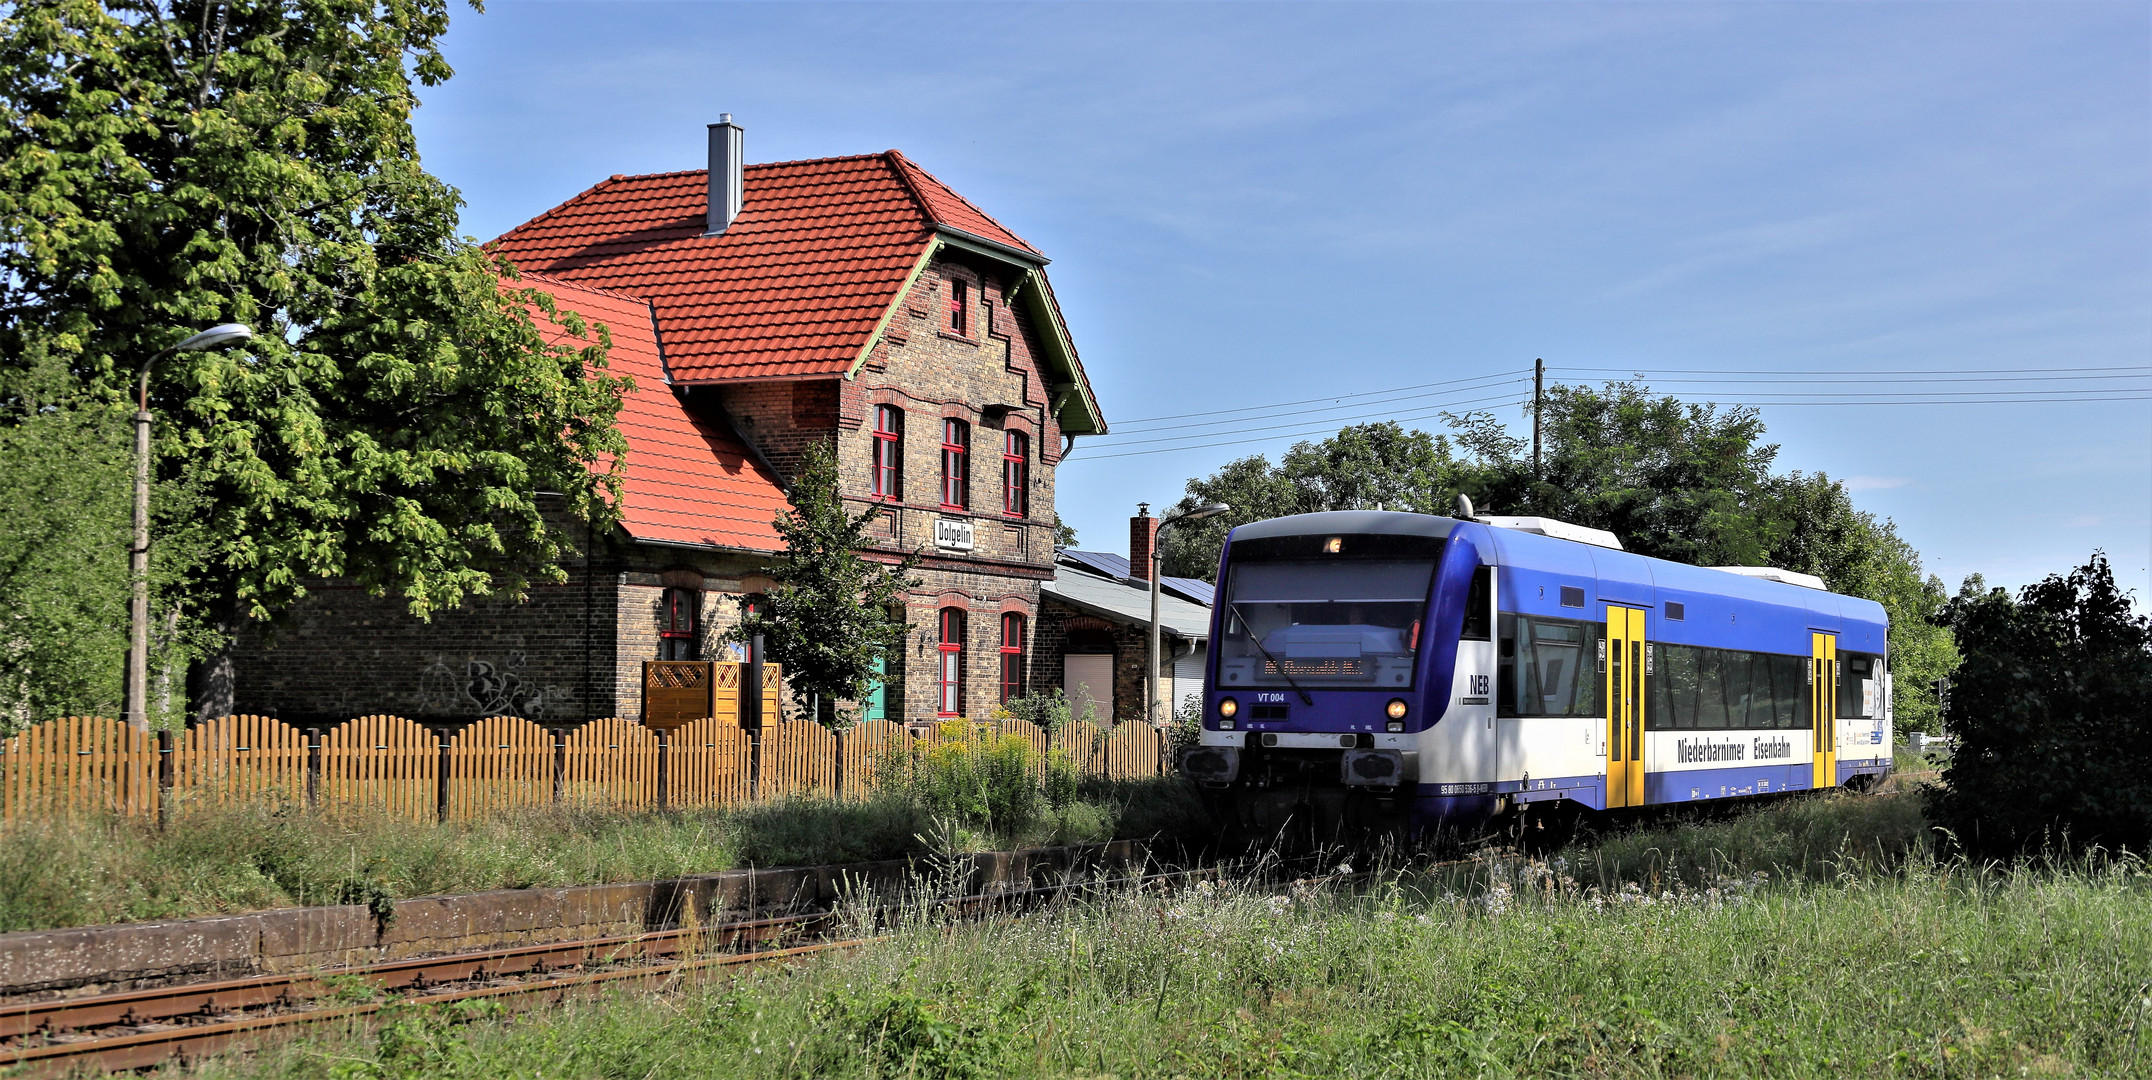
point(878, 697)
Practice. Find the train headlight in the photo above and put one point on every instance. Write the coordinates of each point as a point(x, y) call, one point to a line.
point(1228, 708)
point(1396, 712)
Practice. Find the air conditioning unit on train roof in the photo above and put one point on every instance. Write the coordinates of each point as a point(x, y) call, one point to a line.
point(1773, 573)
point(1560, 530)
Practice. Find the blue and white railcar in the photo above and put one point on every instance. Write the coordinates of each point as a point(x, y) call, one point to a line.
point(1372, 668)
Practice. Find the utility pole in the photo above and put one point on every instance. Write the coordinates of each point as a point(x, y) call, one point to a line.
point(1539, 388)
point(1154, 706)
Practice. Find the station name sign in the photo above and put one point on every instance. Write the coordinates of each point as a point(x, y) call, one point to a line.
point(953, 534)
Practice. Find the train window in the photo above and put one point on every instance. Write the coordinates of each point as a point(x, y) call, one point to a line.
point(1676, 610)
point(1330, 621)
point(1696, 688)
point(1479, 610)
point(1860, 684)
point(1541, 664)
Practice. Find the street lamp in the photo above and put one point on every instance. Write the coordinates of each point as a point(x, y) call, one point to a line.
point(1197, 514)
point(135, 710)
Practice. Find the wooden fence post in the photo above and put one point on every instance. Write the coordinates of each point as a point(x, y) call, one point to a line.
point(754, 765)
point(664, 770)
point(165, 773)
point(560, 764)
point(837, 774)
point(313, 766)
point(440, 792)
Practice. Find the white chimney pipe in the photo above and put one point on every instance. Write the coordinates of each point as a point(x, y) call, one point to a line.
point(725, 166)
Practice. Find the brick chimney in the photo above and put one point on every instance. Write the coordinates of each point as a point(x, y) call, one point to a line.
point(1142, 536)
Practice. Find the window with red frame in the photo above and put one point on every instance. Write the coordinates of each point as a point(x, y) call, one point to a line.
point(888, 468)
point(959, 312)
point(679, 623)
point(949, 681)
point(1015, 473)
point(956, 464)
point(1012, 656)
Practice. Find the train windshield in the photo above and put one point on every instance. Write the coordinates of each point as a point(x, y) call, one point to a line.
point(1323, 622)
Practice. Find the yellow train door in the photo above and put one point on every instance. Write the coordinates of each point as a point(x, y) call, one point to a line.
point(1625, 706)
point(1823, 707)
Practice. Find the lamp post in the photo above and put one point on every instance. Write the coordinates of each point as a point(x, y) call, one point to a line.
point(135, 710)
point(1197, 514)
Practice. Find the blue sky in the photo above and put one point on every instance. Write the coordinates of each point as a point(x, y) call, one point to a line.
point(1250, 204)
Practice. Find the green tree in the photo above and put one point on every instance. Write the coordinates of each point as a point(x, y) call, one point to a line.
point(1364, 467)
point(1674, 480)
point(167, 164)
point(831, 616)
point(1856, 553)
point(2052, 709)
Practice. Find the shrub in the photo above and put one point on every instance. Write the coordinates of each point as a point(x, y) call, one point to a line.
point(1049, 710)
point(995, 782)
point(2052, 709)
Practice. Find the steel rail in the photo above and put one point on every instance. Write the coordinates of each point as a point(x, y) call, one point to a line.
point(23, 1019)
point(148, 1048)
point(296, 992)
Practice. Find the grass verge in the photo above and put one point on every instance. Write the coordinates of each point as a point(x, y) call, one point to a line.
point(1929, 970)
point(1815, 838)
point(213, 860)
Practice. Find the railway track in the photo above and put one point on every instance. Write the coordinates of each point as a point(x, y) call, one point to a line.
point(142, 1028)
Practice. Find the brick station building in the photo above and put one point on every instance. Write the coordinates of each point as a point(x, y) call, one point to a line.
point(853, 302)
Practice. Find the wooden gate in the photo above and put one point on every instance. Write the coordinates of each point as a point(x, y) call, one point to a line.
point(499, 763)
point(382, 762)
point(871, 749)
point(239, 759)
point(1085, 745)
point(709, 763)
point(79, 763)
point(798, 756)
point(611, 761)
point(1133, 751)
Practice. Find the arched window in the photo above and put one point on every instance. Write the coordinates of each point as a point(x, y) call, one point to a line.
point(888, 469)
point(1015, 473)
point(1012, 656)
point(956, 464)
point(680, 625)
point(949, 681)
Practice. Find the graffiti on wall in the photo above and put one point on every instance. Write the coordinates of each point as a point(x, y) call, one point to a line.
point(487, 687)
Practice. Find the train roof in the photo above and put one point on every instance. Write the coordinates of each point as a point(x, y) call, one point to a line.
point(1717, 608)
point(1348, 522)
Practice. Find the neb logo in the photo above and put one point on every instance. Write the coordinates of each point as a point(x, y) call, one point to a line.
point(1479, 684)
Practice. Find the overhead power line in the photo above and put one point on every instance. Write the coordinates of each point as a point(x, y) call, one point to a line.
point(1871, 371)
point(1520, 372)
point(2133, 373)
point(1485, 385)
point(1426, 415)
point(2146, 396)
point(1403, 404)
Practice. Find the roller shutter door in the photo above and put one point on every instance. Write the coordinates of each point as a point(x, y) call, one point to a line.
point(1088, 677)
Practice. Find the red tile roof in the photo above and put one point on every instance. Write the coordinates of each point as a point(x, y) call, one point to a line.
point(689, 479)
point(947, 207)
point(794, 288)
